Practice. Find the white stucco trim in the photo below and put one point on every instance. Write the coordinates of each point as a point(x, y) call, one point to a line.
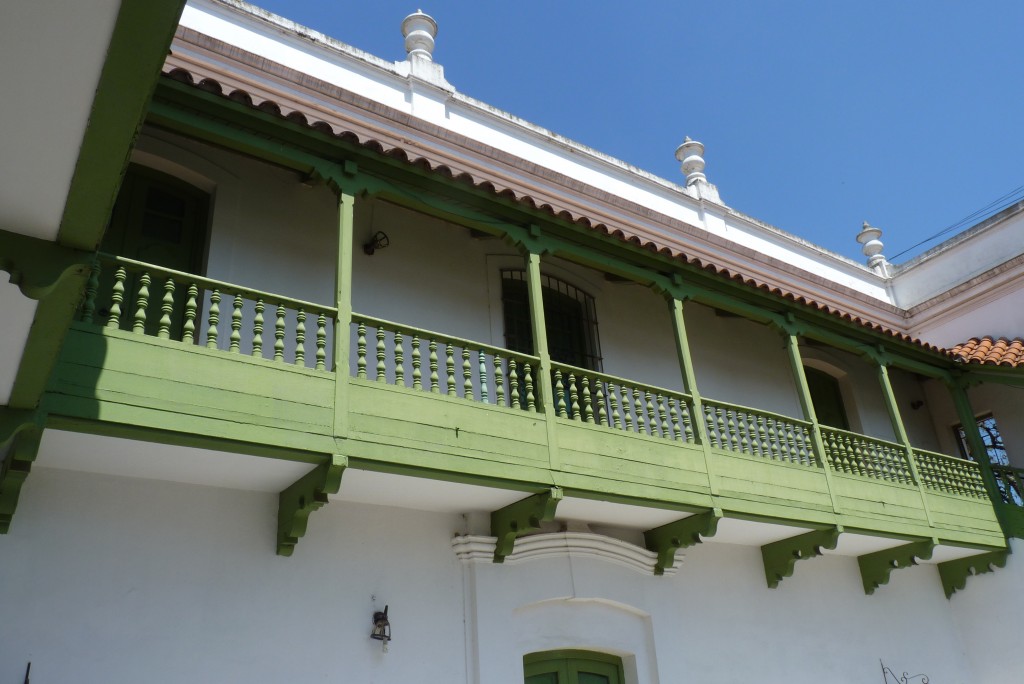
point(471, 548)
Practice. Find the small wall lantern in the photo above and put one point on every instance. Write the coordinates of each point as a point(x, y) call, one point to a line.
point(381, 628)
point(378, 240)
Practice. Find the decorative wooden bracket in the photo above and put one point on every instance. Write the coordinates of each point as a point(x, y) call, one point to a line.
point(876, 567)
point(308, 493)
point(681, 534)
point(15, 466)
point(954, 573)
point(780, 557)
point(37, 266)
point(521, 517)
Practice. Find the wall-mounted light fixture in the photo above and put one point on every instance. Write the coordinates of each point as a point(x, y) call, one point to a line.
point(916, 404)
point(379, 240)
point(381, 628)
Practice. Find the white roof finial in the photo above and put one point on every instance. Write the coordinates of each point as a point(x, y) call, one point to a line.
point(872, 248)
point(690, 153)
point(419, 30)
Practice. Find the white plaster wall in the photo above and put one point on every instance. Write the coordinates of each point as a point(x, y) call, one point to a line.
point(119, 580)
point(995, 313)
point(987, 614)
point(918, 422)
point(109, 579)
point(742, 362)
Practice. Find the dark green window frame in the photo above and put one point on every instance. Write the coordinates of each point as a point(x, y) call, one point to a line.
point(572, 667)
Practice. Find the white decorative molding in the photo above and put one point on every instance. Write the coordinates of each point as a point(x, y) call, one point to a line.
point(473, 548)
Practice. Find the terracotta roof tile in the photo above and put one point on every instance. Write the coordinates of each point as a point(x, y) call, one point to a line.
point(990, 351)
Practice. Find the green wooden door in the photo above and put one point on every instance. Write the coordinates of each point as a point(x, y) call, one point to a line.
point(160, 220)
point(572, 667)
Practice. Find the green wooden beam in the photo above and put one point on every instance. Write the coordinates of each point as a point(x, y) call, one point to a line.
point(898, 428)
point(780, 557)
point(681, 534)
point(343, 302)
point(954, 573)
point(15, 465)
point(535, 292)
point(309, 493)
point(138, 46)
point(525, 515)
point(37, 266)
point(876, 567)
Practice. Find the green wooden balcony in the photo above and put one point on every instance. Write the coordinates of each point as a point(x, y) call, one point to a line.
point(175, 357)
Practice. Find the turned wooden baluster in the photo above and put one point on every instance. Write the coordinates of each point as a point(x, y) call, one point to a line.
point(279, 334)
point(360, 350)
point(714, 431)
point(450, 368)
point(321, 342)
point(382, 375)
point(666, 432)
point(417, 374)
point(762, 437)
point(399, 359)
point(638, 412)
point(560, 396)
point(531, 401)
point(257, 328)
point(513, 383)
point(188, 334)
point(627, 409)
point(602, 409)
point(141, 304)
point(213, 320)
point(91, 288)
point(652, 421)
point(433, 367)
point(499, 382)
point(467, 375)
point(236, 324)
point(482, 370)
point(588, 404)
point(574, 398)
point(613, 399)
point(300, 337)
point(166, 308)
point(684, 407)
point(116, 297)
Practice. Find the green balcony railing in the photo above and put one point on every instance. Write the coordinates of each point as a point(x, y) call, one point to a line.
point(1010, 481)
point(405, 356)
point(944, 473)
point(601, 399)
point(151, 300)
point(758, 433)
point(855, 454)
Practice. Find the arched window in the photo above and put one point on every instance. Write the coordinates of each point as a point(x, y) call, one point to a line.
point(569, 317)
point(827, 398)
point(572, 667)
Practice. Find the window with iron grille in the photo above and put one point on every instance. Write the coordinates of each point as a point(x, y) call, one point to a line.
point(990, 436)
point(569, 316)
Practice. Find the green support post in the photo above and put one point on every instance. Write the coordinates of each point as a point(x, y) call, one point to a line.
point(343, 301)
point(525, 515)
point(681, 534)
point(796, 364)
point(535, 289)
point(780, 557)
point(977, 448)
point(901, 432)
point(309, 493)
point(682, 341)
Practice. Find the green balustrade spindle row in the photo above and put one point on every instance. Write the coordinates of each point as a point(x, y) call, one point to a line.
point(951, 475)
point(601, 399)
point(455, 367)
point(150, 300)
point(758, 433)
point(856, 454)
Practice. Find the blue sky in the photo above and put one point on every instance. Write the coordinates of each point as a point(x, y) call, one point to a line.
point(816, 116)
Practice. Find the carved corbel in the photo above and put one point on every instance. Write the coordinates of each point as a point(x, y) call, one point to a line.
point(780, 557)
point(309, 493)
point(876, 567)
point(954, 573)
point(38, 266)
point(19, 445)
point(681, 534)
point(521, 517)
